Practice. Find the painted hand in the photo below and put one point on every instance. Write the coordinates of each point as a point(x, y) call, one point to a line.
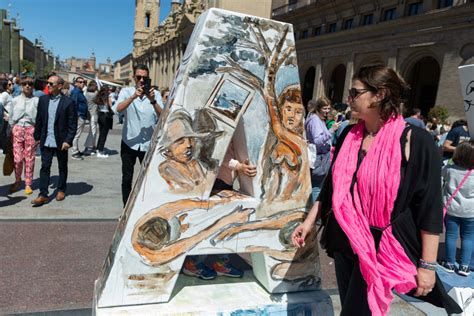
point(247, 169)
point(228, 233)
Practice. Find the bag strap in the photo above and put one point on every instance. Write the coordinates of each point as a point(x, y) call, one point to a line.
point(455, 192)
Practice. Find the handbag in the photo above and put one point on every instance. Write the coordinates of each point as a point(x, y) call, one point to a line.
point(312, 155)
point(322, 164)
point(8, 163)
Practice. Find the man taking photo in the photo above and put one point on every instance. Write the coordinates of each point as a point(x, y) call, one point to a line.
point(141, 106)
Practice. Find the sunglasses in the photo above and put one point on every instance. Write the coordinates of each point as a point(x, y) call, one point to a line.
point(141, 77)
point(51, 83)
point(354, 93)
point(27, 83)
point(80, 81)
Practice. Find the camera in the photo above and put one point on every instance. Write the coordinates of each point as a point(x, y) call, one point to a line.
point(146, 86)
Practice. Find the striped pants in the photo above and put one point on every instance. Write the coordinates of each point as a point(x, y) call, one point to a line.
point(24, 150)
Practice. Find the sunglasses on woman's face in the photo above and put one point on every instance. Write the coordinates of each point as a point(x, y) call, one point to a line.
point(354, 93)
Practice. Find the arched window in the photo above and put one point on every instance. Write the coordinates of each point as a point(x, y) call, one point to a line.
point(308, 85)
point(423, 78)
point(335, 88)
point(147, 20)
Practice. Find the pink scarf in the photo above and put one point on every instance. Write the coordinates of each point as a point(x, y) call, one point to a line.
point(378, 179)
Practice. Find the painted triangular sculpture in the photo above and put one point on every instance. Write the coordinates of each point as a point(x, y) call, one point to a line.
point(237, 86)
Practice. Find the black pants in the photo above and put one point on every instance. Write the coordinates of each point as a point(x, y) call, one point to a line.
point(352, 286)
point(104, 126)
point(46, 161)
point(129, 157)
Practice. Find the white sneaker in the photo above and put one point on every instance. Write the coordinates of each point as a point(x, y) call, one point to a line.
point(102, 155)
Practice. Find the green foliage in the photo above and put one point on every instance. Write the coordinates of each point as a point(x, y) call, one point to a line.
point(46, 71)
point(27, 66)
point(439, 112)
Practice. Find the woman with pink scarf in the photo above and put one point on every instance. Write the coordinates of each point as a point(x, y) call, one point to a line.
point(381, 202)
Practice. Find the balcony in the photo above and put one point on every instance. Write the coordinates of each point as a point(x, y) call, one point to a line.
point(291, 6)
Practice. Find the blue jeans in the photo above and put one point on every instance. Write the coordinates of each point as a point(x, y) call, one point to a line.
point(316, 183)
point(453, 224)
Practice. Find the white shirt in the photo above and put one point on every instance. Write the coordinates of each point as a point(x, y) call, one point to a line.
point(22, 110)
point(139, 119)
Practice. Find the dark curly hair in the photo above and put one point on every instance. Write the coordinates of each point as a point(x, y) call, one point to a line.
point(382, 78)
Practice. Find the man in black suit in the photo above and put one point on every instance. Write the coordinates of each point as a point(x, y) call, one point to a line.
point(56, 123)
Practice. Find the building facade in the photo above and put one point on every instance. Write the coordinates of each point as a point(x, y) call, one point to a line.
point(82, 64)
point(425, 41)
point(123, 69)
point(161, 47)
point(44, 60)
point(9, 44)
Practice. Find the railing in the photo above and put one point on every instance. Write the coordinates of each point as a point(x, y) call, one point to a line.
point(292, 5)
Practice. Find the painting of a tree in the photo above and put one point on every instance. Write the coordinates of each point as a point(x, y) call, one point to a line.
point(252, 49)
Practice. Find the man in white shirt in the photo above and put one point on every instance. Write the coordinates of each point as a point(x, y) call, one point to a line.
point(141, 110)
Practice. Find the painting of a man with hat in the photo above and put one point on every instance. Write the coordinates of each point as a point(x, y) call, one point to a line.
point(181, 170)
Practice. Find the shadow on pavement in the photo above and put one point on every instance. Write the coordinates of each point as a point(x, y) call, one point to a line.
point(11, 200)
point(73, 188)
point(111, 152)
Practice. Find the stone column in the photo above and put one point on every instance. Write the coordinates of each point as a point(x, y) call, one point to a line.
point(6, 43)
point(318, 89)
point(392, 58)
point(154, 68)
point(160, 67)
point(15, 50)
point(349, 74)
point(449, 90)
point(170, 64)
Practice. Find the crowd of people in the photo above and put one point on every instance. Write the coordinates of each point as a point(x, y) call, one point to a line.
point(381, 183)
point(26, 131)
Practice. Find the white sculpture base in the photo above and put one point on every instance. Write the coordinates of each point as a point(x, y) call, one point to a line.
point(227, 296)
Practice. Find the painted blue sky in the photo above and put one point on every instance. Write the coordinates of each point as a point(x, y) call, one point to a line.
point(78, 28)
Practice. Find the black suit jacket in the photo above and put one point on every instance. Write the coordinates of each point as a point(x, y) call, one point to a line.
point(65, 122)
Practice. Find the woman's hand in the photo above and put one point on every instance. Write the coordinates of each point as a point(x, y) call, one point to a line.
point(334, 127)
point(425, 280)
point(299, 234)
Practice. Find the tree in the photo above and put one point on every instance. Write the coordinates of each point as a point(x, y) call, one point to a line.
point(27, 66)
point(242, 43)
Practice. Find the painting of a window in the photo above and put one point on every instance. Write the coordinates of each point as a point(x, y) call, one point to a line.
point(229, 99)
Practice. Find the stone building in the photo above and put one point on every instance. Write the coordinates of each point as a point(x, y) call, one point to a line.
point(9, 44)
point(123, 69)
point(106, 68)
point(426, 41)
point(82, 64)
point(161, 46)
point(43, 59)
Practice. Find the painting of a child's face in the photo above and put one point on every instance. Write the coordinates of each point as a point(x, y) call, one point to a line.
point(182, 150)
point(292, 115)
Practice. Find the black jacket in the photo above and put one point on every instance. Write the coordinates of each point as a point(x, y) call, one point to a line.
point(65, 122)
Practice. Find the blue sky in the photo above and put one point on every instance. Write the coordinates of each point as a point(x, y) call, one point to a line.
point(78, 27)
